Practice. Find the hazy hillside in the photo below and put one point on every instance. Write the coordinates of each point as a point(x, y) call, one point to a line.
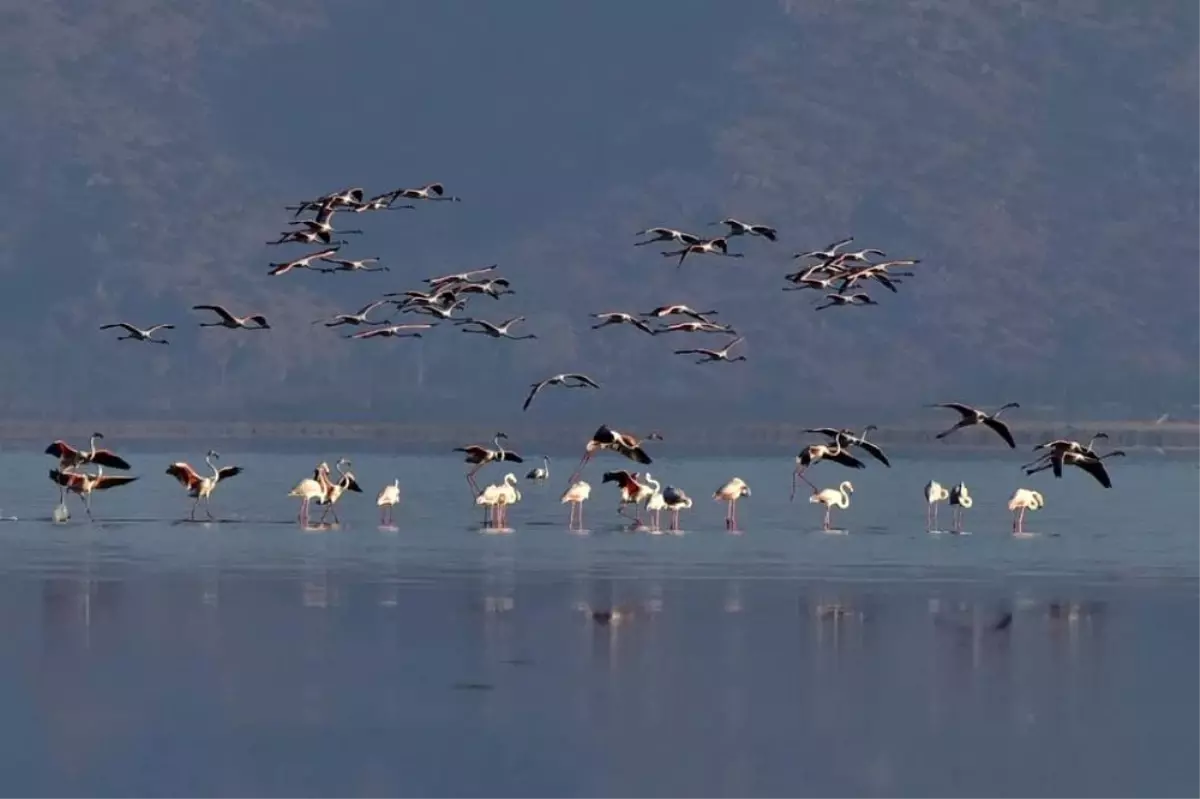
point(1040, 158)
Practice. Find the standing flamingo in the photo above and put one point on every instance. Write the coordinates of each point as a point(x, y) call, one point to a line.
point(676, 501)
point(1022, 500)
point(935, 492)
point(831, 497)
point(334, 491)
point(576, 495)
point(387, 500)
point(482, 456)
point(730, 493)
point(84, 484)
point(960, 500)
point(311, 488)
point(497, 498)
point(201, 488)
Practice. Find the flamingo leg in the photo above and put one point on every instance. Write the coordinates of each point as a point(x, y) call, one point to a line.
point(471, 481)
point(579, 519)
point(192, 514)
point(826, 524)
point(208, 506)
point(935, 514)
point(87, 505)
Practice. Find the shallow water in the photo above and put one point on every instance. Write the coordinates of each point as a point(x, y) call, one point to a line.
point(251, 657)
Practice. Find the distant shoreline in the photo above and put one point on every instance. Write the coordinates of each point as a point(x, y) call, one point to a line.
point(530, 436)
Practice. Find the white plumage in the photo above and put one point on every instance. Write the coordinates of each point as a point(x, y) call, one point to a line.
point(1024, 499)
point(960, 500)
point(833, 497)
point(576, 495)
point(730, 493)
point(935, 492)
point(387, 499)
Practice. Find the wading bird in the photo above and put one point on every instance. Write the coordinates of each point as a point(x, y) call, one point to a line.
point(667, 234)
point(359, 317)
point(284, 267)
point(635, 490)
point(311, 489)
point(495, 331)
point(718, 246)
point(198, 487)
point(960, 500)
point(833, 497)
point(233, 322)
point(850, 440)
point(69, 457)
point(730, 493)
point(361, 265)
point(620, 318)
point(497, 498)
point(387, 499)
point(1092, 464)
point(675, 500)
point(935, 492)
point(575, 496)
point(971, 416)
point(481, 456)
point(714, 356)
point(605, 438)
point(1022, 500)
point(740, 228)
point(137, 334)
point(566, 380)
point(541, 472)
point(334, 491)
point(391, 331)
point(84, 484)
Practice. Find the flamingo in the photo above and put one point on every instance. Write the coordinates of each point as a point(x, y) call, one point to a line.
point(540, 473)
point(740, 228)
point(345, 197)
point(633, 491)
point(84, 484)
point(715, 356)
point(566, 380)
point(679, 309)
point(391, 331)
point(655, 505)
point(696, 327)
point(831, 497)
point(233, 322)
point(311, 488)
point(70, 458)
point(495, 331)
point(1092, 464)
point(1024, 499)
point(334, 491)
point(305, 262)
point(494, 288)
point(498, 497)
point(322, 223)
point(934, 493)
point(621, 318)
point(971, 416)
point(575, 496)
point(482, 456)
point(730, 493)
point(361, 265)
point(717, 246)
point(667, 234)
point(815, 453)
point(960, 500)
point(387, 500)
point(676, 500)
point(359, 317)
point(201, 488)
point(430, 191)
point(846, 301)
point(460, 277)
point(137, 334)
point(827, 254)
point(1057, 449)
point(850, 440)
point(605, 438)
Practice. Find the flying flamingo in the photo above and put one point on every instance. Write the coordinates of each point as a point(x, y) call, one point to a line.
point(814, 453)
point(935, 492)
point(831, 497)
point(69, 458)
point(576, 495)
point(388, 497)
point(972, 416)
point(233, 322)
point(304, 262)
point(199, 487)
point(605, 438)
point(1022, 500)
point(481, 456)
point(84, 484)
point(137, 334)
point(730, 493)
point(717, 246)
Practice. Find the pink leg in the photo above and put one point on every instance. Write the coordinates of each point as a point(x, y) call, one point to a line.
point(828, 510)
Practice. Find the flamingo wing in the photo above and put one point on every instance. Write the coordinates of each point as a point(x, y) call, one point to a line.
point(65, 478)
point(875, 452)
point(1095, 468)
point(352, 484)
point(62, 450)
point(475, 453)
point(225, 472)
point(107, 481)
point(1001, 430)
point(846, 459)
point(184, 473)
point(966, 411)
point(106, 457)
point(217, 309)
point(512, 456)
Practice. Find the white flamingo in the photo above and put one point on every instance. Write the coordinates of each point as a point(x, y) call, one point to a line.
point(334, 492)
point(1022, 500)
point(387, 500)
point(730, 493)
point(656, 503)
point(935, 492)
point(831, 497)
point(498, 497)
point(960, 500)
point(137, 334)
point(576, 495)
point(311, 488)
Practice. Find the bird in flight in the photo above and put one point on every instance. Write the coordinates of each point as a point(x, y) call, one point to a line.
point(566, 380)
point(972, 416)
point(391, 331)
point(667, 234)
point(233, 322)
point(137, 334)
point(620, 318)
point(715, 356)
point(739, 228)
point(717, 246)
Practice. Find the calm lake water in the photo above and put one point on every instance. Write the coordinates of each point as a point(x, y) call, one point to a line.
point(250, 657)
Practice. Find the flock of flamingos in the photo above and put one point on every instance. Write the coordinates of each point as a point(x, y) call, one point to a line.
point(833, 269)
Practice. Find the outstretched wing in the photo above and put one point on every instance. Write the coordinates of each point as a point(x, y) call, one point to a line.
point(1001, 430)
point(622, 478)
point(123, 325)
point(533, 392)
point(106, 457)
point(184, 473)
point(475, 453)
point(875, 452)
point(512, 456)
point(108, 481)
point(352, 484)
point(61, 450)
point(846, 459)
point(1095, 467)
point(636, 454)
point(225, 472)
point(217, 309)
point(587, 381)
point(63, 478)
point(966, 411)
